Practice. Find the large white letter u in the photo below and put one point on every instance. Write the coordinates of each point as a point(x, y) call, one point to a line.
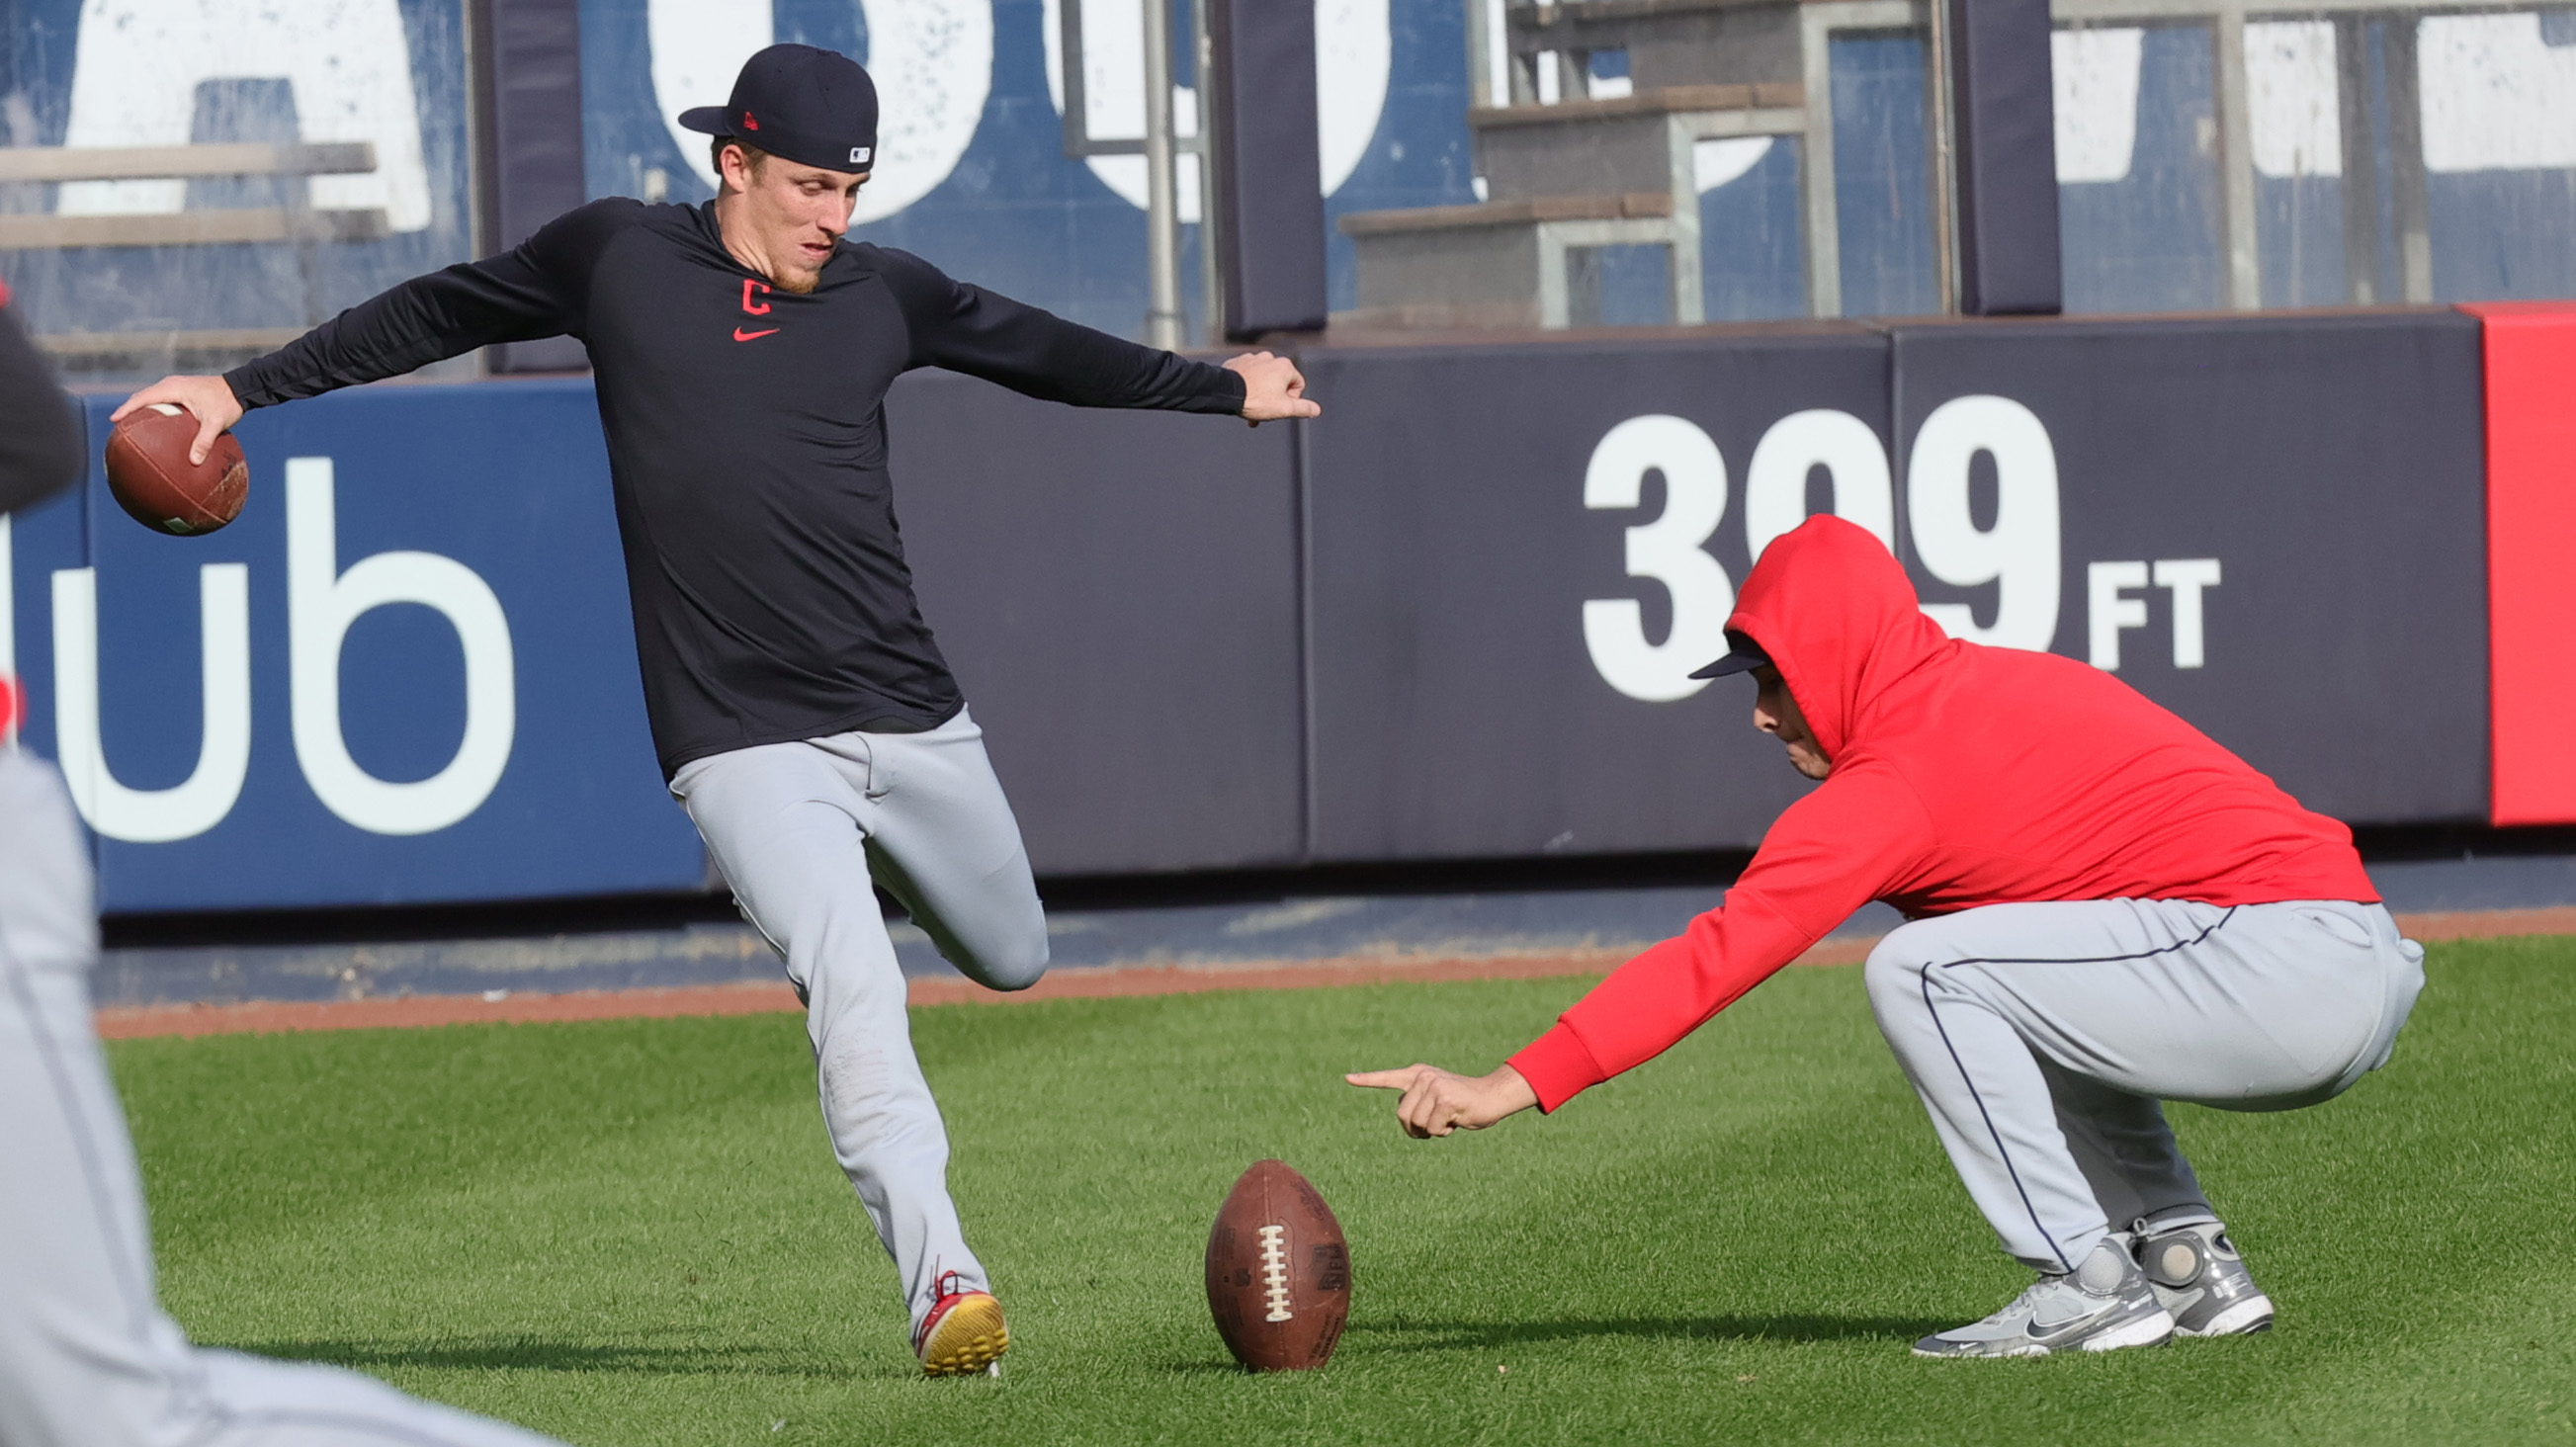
point(186, 810)
point(321, 603)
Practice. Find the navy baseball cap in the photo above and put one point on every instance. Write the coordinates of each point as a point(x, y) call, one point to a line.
point(1743, 655)
point(813, 107)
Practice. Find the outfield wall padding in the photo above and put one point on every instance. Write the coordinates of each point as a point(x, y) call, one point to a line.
point(1448, 620)
point(2313, 484)
point(501, 487)
point(2531, 539)
point(1117, 593)
point(1457, 707)
point(2332, 467)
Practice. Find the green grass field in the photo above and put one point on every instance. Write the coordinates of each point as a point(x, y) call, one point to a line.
point(632, 1232)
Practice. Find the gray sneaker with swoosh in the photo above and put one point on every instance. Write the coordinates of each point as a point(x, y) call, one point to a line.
point(2199, 1277)
point(2102, 1305)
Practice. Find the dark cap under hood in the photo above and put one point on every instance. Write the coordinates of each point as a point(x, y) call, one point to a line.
point(1832, 609)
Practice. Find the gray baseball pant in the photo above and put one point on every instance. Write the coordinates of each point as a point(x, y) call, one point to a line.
point(87, 1356)
point(802, 832)
point(2041, 1038)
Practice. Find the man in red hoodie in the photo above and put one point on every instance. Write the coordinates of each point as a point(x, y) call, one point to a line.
point(2106, 910)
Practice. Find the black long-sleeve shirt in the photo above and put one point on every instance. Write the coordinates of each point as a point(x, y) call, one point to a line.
point(40, 432)
point(747, 446)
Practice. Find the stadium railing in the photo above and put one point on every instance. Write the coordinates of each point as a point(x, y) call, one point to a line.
point(292, 222)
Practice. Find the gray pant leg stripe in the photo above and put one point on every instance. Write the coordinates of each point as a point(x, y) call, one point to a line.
point(1970, 1081)
point(1982, 1114)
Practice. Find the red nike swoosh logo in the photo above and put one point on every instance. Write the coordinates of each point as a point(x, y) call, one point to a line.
point(740, 335)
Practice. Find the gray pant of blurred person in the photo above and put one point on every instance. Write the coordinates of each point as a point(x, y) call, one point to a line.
point(803, 833)
point(87, 1356)
point(2041, 1038)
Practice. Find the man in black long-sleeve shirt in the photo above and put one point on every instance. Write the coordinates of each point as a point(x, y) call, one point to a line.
point(800, 707)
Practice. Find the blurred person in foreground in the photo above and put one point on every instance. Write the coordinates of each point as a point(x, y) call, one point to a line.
point(2106, 910)
point(804, 715)
point(87, 1356)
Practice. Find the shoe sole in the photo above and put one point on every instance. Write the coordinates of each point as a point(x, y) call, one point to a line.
point(2245, 1318)
point(2146, 1331)
point(968, 1339)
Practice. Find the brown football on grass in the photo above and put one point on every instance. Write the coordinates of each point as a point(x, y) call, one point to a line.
point(1278, 1272)
point(149, 471)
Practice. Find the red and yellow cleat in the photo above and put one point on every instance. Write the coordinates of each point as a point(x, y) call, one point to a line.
point(963, 1334)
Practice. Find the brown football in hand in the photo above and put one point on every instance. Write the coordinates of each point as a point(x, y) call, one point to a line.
point(149, 471)
point(1278, 1272)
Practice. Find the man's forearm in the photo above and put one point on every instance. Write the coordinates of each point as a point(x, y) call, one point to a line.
point(1647, 1005)
point(1119, 373)
point(424, 320)
point(1042, 355)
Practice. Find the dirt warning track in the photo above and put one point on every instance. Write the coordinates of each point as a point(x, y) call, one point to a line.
point(128, 1022)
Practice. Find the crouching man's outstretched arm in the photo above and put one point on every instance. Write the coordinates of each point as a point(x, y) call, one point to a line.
point(1828, 855)
point(1438, 1101)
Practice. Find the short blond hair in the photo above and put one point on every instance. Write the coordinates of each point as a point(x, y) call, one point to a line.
point(752, 155)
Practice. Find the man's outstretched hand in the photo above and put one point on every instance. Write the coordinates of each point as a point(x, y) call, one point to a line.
point(1438, 1101)
point(1273, 388)
point(208, 399)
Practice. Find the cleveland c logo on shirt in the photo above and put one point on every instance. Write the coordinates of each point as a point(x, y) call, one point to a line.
point(753, 308)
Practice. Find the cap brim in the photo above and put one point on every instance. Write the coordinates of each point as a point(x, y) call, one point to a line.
point(1733, 663)
point(707, 120)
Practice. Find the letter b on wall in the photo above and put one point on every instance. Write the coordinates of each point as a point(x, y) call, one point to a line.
point(322, 602)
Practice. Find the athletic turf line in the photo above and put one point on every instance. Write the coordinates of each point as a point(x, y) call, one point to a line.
point(127, 1022)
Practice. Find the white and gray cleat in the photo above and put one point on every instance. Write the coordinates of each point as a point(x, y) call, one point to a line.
point(2102, 1305)
point(2200, 1278)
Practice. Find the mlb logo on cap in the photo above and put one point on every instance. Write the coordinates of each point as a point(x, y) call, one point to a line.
point(858, 155)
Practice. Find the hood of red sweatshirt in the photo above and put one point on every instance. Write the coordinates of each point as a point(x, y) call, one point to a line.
point(1833, 610)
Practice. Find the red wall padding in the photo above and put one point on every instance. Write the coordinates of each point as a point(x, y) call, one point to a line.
point(2531, 557)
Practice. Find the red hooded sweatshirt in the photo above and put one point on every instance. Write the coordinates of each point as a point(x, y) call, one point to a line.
point(1962, 776)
